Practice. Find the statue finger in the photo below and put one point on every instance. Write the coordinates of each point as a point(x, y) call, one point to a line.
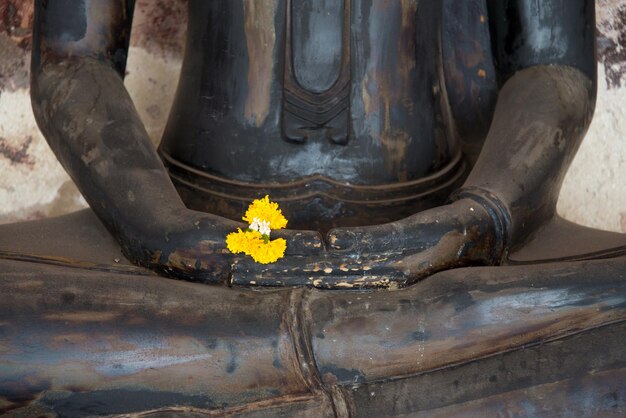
point(331, 271)
point(390, 237)
point(300, 242)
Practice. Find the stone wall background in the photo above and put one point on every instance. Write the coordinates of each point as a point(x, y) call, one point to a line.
point(33, 184)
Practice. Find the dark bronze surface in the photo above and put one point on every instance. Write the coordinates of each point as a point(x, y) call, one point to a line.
point(74, 339)
point(426, 140)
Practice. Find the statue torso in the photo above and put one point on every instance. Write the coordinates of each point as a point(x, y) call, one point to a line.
point(326, 105)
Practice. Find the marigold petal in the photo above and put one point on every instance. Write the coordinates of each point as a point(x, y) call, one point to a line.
point(243, 241)
point(265, 210)
point(270, 252)
point(234, 241)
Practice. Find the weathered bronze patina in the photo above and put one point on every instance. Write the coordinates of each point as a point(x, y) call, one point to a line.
point(427, 141)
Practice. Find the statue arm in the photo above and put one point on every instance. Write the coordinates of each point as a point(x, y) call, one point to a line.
point(545, 58)
point(544, 53)
point(541, 117)
point(90, 122)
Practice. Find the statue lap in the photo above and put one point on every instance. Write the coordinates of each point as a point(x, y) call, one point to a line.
point(466, 340)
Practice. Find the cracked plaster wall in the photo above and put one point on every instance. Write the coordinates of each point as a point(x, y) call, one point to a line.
point(34, 185)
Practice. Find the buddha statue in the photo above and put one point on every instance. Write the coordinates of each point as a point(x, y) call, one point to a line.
point(416, 148)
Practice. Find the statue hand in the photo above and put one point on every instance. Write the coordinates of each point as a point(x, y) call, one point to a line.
point(191, 245)
point(393, 254)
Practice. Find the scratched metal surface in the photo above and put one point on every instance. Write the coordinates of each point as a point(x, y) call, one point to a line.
point(80, 340)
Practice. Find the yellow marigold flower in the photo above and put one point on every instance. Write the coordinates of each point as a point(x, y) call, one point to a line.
point(263, 216)
point(269, 253)
point(265, 210)
point(243, 241)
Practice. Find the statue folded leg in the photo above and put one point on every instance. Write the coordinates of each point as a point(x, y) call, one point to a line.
point(96, 336)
